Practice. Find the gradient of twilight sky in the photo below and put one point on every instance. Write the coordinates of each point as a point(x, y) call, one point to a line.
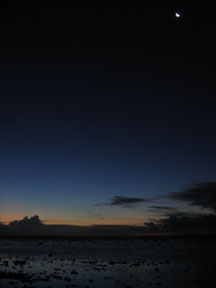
point(93, 108)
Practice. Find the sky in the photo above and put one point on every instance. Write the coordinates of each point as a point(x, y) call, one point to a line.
point(100, 101)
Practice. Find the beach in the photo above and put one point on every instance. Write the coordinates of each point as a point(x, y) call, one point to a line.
point(107, 263)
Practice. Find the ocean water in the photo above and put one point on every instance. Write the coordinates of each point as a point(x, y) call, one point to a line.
point(107, 263)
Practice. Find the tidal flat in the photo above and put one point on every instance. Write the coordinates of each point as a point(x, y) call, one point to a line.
point(107, 263)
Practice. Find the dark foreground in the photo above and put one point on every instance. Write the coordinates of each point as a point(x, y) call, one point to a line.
point(151, 262)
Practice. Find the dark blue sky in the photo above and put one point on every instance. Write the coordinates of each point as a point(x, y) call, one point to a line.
point(98, 102)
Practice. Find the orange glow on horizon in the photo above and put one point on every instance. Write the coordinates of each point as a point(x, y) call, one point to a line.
point(132, 222)
point(94, 222)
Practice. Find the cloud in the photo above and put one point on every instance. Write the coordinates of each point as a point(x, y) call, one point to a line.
point(173, 211)
point(163, 208)
point(34, 226)
point(181, 223)
point(121, 201)
point(174, 220)
point(28, 224)
point(178, 223)
point(202, 195)
point(126, 202)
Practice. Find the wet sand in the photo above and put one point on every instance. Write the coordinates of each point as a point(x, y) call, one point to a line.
point(107, 263)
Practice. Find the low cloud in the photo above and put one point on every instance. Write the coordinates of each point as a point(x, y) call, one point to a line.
point(173, 221)
point(34, 226)
point(126, 202)
point(26, 224)
point(176, 224)
point(163, 209)
point(183, 223)
point(201, 195)
point(167, 211)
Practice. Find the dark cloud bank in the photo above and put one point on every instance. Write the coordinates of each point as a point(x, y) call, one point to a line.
point(202, 195)
point(173, 221)
point(127, 202)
